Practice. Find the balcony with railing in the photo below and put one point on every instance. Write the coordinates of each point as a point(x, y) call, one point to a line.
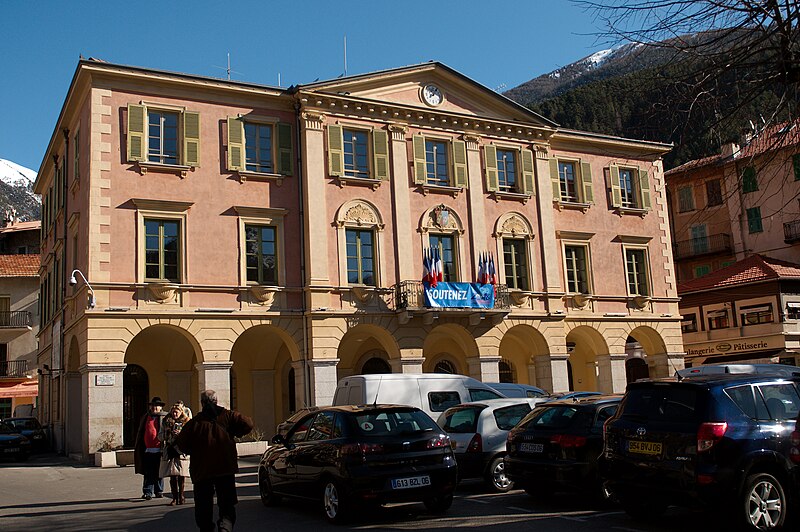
point(791, 232)
point(706, 245)
point(409, 300)
point(15, 319)
point(14, 369)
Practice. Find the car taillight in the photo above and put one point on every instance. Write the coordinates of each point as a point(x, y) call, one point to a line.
point(794, 452)
point(709, 434)
point(439, 441)
point(568, 441)
point(475, 444)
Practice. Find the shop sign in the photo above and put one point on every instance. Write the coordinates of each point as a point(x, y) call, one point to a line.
point(734, 346)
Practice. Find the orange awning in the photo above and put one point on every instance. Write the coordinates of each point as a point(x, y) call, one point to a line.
point(23, 389)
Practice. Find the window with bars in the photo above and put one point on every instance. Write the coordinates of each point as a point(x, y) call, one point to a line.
point(637, 270)
point(360, 256)
point(261, 254)
point(577, 269)
point(516, 264)
point(162, 250)
point(447, 251)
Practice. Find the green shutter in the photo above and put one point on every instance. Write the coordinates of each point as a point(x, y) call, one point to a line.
point(586, 178)
point(335, 151)
point(191, 138)
point(490, 156)
point(616, 193)
point(796, 162)
point(420, 163)
point(285, 158)
point(644, 189)
point(137, 114)
point(527, 172)
point(460, 163)
point(555, 180)
point(380, 154)
point(235, 143)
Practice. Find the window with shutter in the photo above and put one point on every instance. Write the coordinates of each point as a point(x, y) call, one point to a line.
point(356, 156)
point(686, 199)
point(507, 171)
point(749, 180)
point(285, 150)
point(586, 178)
point(191, 138)
point(259, 147)
point(528, 185)
point(754, 220)
point(380, 152)
point(637, 269)
point(796, 164)
point(459, 163)
point(436, 165)
point(576, 268)
point(490, 160)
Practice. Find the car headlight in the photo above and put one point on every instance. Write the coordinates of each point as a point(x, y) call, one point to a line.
point(38, 437)
point(25, 442)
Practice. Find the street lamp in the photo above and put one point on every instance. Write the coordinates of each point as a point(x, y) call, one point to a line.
point(73, 281)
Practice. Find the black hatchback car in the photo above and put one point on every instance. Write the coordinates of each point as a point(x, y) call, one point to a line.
point(727, 439)
point(347, 455)
point(558, 444)
point(13, 444)
point(31, 429)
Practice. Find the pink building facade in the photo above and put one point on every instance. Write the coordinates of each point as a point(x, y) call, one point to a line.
point(265, 242)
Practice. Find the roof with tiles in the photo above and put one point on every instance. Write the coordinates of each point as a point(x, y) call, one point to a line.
point(19, 265)
point(772, 138)
point(754, 268)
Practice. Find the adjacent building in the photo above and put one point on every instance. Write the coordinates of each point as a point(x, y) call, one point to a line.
point(265, 242)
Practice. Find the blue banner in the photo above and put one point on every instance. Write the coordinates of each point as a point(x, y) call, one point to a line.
point(459, 295)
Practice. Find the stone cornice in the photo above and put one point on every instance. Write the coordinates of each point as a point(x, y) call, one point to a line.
point(312, 120)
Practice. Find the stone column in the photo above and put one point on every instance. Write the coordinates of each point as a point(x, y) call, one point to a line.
point(264, 399)
point(323, 381)
point(403, 226)
point(102, 388)
point(215, 376)
point(547, 233)
point(665, 364)
point(552, 372)
point(532, 376)
point(484, 368)
point(407, 365)
point(179, 388)
point(478, 229)
point(611, 373)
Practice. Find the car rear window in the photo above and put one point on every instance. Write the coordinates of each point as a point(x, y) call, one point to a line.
point(742, 396)
point(24, 424)
point(782, 400)
point(394, 422)
point(551, 417)
point(481, 394)
point(462, 420)
point(661, 403)
point(508, 416)
point(441, 401)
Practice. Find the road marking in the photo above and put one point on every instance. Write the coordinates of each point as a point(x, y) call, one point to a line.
point(479, 500)
point(518, 509)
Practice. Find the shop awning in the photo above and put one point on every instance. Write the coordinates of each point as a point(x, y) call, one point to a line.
point(22, 389)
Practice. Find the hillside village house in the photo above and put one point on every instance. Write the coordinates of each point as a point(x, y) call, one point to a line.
point(265, 242)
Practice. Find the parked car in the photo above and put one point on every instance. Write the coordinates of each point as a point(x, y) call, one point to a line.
point(13, 444)
point(346, 456)
point(562, 396)
point(31, 429)
point(431, 392)
point(512, 389)
point(284, 426)
point(782, 370)
point(479, 431)
point(709, 440)
point(558, 444)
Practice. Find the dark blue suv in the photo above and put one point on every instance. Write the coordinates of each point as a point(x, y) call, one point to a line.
point(721, 439)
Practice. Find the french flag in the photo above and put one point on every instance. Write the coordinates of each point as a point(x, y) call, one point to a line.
point(439, 268)
point(481, 268)
point(492, 273)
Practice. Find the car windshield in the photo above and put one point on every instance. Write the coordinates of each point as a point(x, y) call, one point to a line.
point(555, 417)
point(462, 420)
point(482, 394)
point(24, 424)
point(664, 403)
point(394, 422)
point(508, 417)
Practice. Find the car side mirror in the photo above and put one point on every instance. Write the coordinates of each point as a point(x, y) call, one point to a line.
point(278, 439)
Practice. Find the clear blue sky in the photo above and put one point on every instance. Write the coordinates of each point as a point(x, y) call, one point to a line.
point(494, 43)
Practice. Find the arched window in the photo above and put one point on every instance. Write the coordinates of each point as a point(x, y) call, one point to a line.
point(506, 370)
point(445, 366)
point(375, 365)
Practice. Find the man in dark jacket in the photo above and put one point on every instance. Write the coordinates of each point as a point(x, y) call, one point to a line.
point(208, 440)
point(147, 450)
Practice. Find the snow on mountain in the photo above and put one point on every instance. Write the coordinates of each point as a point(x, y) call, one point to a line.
point(598, 58)
point(16, 175)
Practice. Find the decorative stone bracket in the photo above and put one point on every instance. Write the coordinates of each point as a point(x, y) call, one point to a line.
point(519, 297)
point(640, 302)
point(163, 292)
point(581, 300)
point(363, 294)
point(265, 295)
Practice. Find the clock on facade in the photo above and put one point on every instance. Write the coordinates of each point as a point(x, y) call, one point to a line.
point(432, 95)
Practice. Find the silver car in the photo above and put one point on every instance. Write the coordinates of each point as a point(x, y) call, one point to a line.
point(478, 433)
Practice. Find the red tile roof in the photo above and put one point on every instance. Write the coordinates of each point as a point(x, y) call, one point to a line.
point(19, 265)
point(750, 270)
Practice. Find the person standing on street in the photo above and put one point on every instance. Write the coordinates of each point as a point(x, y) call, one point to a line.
point(147, 450)
point(174, 464)
point(208, 438)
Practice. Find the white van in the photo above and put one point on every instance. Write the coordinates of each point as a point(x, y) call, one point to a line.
point(432, 392)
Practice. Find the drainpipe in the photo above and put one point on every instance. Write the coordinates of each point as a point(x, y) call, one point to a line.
point(303, 307)
point(63, 388)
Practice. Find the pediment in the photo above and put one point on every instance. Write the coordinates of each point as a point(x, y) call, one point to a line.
point(403, 86)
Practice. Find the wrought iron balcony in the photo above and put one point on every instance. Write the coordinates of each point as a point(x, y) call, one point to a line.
point(706, 245)
point(15, 319)
point(13, 368)
point(409, 295)
point(791, 232)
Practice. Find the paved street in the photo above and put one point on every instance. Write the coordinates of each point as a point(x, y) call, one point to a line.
point(49, 493)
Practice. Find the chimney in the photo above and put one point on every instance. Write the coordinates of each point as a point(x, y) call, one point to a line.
point(730, 150)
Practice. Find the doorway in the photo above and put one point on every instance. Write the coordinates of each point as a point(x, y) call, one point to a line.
point(135, 388)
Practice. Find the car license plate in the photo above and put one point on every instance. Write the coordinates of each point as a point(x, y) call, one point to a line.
point(11, 450)
point(411, 482)
point(531, 447)
point(644, 447)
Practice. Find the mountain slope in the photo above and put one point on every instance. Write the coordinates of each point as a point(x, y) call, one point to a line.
point(16, 191)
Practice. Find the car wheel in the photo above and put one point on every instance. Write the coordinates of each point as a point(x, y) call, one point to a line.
point(334, 503)
point(496, 476)
point(268, 497)
point(439, 503)
point(642, 509)
point(764, 502)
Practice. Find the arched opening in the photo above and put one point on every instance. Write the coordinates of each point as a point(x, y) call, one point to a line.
point(519, 347)
point(636, 368)
point(75, 400)
point(445, 366)
point(135, 390)
point(375, 365)
point(506, 370)
point(451, 345)
point(585, 345)
point(366, 349)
